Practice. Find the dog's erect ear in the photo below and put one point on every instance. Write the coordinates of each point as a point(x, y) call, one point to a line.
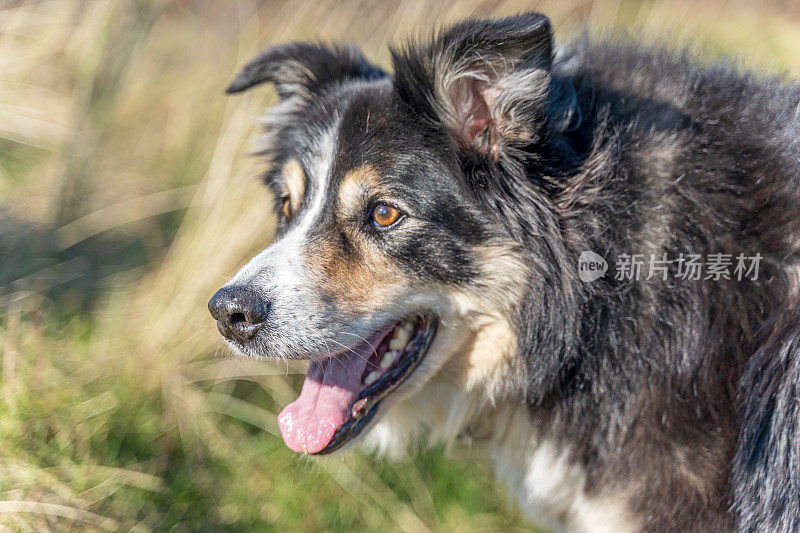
point(302, 69)
point(486, 81)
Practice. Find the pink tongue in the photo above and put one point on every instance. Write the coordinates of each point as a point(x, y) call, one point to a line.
point(329, 391)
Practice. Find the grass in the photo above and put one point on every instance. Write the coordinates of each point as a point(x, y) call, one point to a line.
point(127, 196)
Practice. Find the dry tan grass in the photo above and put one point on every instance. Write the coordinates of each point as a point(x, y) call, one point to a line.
point(113, 127)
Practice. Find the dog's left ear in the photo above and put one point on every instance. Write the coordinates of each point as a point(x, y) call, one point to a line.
point(302, 69)
point(485, 81)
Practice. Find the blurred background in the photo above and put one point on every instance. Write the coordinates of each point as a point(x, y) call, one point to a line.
point(128, 196)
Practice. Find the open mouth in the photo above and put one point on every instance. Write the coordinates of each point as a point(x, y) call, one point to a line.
point(341, 393)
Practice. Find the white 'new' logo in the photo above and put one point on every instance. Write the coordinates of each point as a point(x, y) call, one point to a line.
point(591, 266)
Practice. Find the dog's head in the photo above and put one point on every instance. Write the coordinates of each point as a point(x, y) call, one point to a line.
point(395, 259)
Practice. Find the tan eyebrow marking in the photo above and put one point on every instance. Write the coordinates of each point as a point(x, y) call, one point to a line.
point(294, 180)
point(353, 185)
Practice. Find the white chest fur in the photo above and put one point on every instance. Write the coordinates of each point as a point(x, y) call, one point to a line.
point(537, 473)
point(550, 488)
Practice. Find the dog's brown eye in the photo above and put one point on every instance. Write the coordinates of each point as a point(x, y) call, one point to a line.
point(385, 215)
point(287, 208)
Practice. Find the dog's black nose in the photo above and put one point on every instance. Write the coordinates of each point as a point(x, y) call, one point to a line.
point(240, 312)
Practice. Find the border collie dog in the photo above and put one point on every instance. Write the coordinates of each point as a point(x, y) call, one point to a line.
point(496, 244)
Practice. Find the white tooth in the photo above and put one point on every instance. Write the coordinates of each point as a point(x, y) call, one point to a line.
point(371, 378)
point(408, 327)
point(388, 359)
point(400, 339)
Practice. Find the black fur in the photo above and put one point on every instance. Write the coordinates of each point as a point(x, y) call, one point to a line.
point(683, 394)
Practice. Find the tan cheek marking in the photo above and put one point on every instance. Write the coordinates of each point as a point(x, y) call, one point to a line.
point(485, 360)
point(362, 281)
point(294, 180)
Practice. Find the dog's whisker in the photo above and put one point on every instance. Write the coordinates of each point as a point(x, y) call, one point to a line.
point(374, 349)
point(351, 350)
